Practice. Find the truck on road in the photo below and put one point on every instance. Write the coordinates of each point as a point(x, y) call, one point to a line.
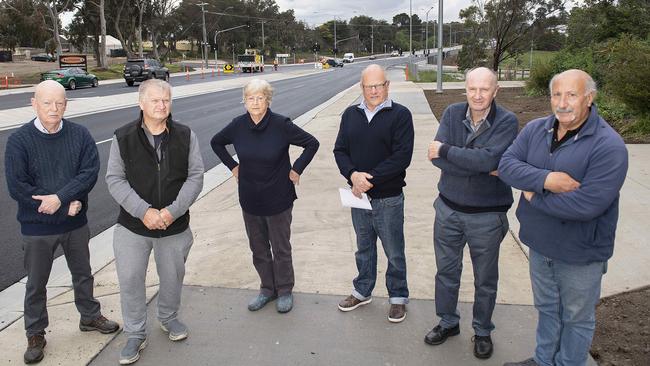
point(250, 61)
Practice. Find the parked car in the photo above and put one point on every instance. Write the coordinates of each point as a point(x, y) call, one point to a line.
point(372, 57)
point(44, 57)
point(71, 78)
point(333, 62)
point(144, 69)
point(394, 54)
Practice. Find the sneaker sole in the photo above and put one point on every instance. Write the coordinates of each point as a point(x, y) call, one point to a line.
point(174, 338)
point(365, 302)
point(397, 320)
point(135, 358)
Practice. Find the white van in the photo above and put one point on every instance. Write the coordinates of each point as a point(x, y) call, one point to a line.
point(348, 57)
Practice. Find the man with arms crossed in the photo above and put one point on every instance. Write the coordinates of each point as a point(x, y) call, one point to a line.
point(570, 166)
point(472, 204)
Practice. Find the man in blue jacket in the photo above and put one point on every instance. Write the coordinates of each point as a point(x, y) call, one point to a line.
point(51, 165)
point(472, 204)
point(372, 150)
point(570, 167)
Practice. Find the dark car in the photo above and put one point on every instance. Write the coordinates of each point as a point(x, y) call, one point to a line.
point(144, 69)
point(71, 78)
point(333, 62)
point(44, 57)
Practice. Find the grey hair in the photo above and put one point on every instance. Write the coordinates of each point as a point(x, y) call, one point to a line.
point(374, 66)
point(494, 74)
point(590, 84)
point(258, 86)
point(153, 83)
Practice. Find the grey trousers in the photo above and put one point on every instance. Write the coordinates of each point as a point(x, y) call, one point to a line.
point(483, 233)
point(132, 253)
point(268, 237)
point(39, 255)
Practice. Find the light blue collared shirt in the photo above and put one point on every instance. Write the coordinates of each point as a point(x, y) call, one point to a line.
point(39, 125)
point(369, 114)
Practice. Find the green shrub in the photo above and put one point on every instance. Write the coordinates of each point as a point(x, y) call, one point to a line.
point(540, 76)
point(628, 72)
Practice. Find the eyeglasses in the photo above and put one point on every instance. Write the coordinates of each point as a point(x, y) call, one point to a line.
point(258, 99)
point(376, 86)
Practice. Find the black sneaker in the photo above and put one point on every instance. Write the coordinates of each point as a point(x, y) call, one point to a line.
point(35, 345)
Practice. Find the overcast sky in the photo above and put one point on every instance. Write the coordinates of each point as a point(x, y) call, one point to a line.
point(316, 12)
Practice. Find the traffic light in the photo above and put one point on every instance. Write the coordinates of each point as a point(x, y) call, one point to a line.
point(336, 50)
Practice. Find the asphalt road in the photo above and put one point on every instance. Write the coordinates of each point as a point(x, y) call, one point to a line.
point(205, 114)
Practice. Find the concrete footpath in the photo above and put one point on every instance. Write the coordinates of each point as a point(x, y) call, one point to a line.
point(220, 277)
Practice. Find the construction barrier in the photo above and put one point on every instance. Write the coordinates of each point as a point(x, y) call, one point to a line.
point(187, 73)
point(10, 81)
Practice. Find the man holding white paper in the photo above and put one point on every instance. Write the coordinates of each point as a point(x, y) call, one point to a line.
point(372, 150)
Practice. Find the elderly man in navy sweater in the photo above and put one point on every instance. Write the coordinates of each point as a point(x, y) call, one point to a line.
point(372, 150)
point(570, 166)
point(472, 204)
point(51, 165)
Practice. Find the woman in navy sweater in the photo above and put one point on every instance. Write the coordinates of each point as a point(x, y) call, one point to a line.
point(266, 182)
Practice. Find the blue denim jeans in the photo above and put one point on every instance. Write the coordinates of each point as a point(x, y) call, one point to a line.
point(386, 221)
point(483, 233)
point(565, 297)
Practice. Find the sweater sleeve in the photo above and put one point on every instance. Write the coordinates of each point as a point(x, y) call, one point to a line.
point(87, 173)
point(486, 158)
point(402, 150)
point(515, 171)
point(299, 137)
point(119, 187)
point(443, 135)
point(342, 150)
point(219, 143)
point(19, 182)
point(607, 169)
point(193, 185)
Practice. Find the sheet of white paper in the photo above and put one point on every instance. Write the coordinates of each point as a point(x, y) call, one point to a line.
point(350, 200)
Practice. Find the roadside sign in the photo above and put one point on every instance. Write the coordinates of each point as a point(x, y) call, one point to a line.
point(228, 68)
point(69, 61)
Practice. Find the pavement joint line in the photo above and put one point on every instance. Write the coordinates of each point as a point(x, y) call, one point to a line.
point(213, 178)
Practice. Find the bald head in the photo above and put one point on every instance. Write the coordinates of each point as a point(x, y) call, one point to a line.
point(575, 75)
point(481, 73)
point(49, 104)
point(49, 88)
point(373, 70)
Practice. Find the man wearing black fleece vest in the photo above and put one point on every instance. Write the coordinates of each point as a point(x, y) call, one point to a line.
point(51, 165)
point(372, 150)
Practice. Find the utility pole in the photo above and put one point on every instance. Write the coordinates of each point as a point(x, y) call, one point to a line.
point(372, 39)
point(335, 49)
point(205, 36)
point(262, 35)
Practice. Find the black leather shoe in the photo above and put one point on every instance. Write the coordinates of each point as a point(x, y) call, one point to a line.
point(482, 347)
point(439, 335)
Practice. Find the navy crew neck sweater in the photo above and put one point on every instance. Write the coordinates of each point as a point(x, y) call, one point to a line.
point(264, 164)
point(64, 163)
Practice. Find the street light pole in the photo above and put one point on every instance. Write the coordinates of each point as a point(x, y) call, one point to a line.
point(410, 28)
point(439, 76)
point(205, 35)
point(215, 42)
point(372, 39)
point(426, 28)
point(335, 49)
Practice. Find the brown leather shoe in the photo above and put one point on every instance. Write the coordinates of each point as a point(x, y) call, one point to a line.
point(350, 303)
point(100, 324)
point(397, 313)
point(34, 352)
